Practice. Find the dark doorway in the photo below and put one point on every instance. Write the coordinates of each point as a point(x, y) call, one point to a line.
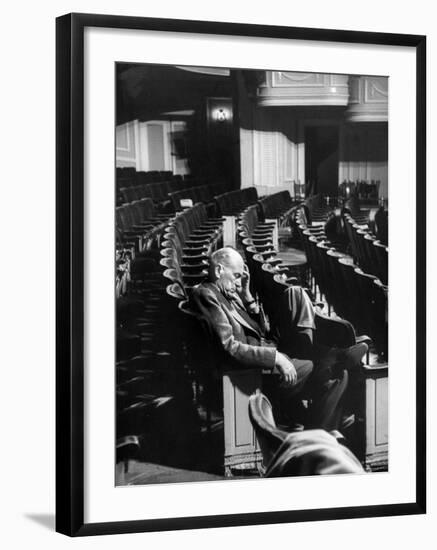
point(321, 159)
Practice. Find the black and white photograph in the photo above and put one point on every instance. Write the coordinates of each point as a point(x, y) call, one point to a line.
point(251, 273)
point(220, 284)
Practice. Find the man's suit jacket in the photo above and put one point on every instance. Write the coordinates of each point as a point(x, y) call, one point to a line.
point(238, 335)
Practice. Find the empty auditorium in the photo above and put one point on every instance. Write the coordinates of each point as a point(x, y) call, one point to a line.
point(251, 274)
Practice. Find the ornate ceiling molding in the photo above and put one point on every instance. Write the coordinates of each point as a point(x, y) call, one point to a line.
point(366, 97)
point(369, 99)
point(286, 88)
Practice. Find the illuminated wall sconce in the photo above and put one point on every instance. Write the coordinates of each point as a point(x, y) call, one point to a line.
point(221, 114)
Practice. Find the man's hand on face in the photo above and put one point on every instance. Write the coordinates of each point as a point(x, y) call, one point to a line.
point(286, 369)
point(245, 285)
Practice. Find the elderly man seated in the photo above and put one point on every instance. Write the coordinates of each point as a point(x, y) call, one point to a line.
point(234, 317)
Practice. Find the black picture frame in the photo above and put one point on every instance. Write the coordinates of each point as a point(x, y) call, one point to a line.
point(70, 273)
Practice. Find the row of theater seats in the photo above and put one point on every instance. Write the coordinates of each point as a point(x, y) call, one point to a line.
point(129, 176)
point(156, 416)
point(364, 190)
point(138, 225)
point(277, 206)
point(200, 193)
point(157, 191)
point(378, 223)
point(367, 251)
point(355, 295)
point(190, 240)
point(280, 288)
point(353, 206)
point(269, 273)
point(233, 202)
point(187, 243)
point(318, 207)
point(130, 183)
point(253, 229)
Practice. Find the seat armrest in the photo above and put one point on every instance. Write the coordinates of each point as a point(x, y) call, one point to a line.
point(374, 371)
point(364, 338)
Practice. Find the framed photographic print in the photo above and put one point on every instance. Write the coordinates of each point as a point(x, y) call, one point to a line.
point(240, 274)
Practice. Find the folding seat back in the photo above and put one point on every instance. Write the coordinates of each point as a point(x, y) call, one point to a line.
point(336, 291)
point(125, 192)
point(334, 332)
point(186, 219)
point(349, 287)
point(136, 213)
point(381, 223)
point(129, 193)
point(349, 232)
point(314, 259)
point(367, 300)
point(141, 178)
point(138, 192)
point(218, 199)
point(227, 204)
point(122, 218)
point(380, 335)
point(125, 181)
point(173, 185)
point(131, 214)
point(177, 228)
point(268, 206)
point(191, 193)
point(257, 276)
point(175, 198)
point(201, 213)
point(382, 261)
point(236, 201)
point(305, 235)
point(371, 265)
point(359, 236)
point(158, 192)
point(204, 194)
point(251, 195)
point(165, 185)
point(274, 285)
point(147, 208)
point(324, 277)
point(357, 245)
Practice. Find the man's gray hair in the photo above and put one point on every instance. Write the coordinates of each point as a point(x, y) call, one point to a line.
point(222, 256)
